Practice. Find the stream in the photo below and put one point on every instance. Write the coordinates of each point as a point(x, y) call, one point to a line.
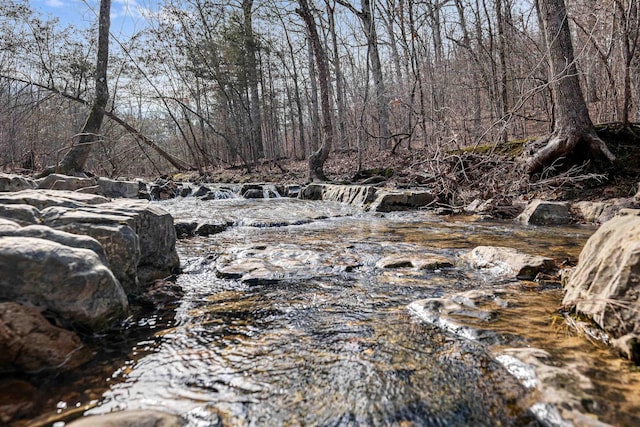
point(289, 319)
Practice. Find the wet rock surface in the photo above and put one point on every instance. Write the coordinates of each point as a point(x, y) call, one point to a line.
point(297, 313)
point(30, 343)
point(503, 261)
point(71, 283)
point(130, 419)
point(606, 282)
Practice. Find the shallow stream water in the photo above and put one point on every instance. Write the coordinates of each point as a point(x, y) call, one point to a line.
point(319, 334)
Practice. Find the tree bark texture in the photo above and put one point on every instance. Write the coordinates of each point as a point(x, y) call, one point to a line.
point(572, 125)
point(318, 158)
point(76, 158)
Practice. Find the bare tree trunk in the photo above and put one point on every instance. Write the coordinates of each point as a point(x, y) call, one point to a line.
point(366, 15)
point(76, 159)
point(313, 105)
point(252, 77)
point(572, 122)
point(318, 158)
point(337, 67)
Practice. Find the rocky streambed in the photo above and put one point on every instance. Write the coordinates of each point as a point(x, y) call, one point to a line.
point(312, 312)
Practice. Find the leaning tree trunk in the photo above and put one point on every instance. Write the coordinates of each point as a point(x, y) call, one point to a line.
point(573, 129)
point(76, 158)
point(317, 158)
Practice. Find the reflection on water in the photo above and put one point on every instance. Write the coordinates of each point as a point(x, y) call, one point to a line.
point(329, 341)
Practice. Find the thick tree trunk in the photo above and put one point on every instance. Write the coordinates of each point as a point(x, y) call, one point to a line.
point(76, 159)
point(318, 157)
point(573, 127)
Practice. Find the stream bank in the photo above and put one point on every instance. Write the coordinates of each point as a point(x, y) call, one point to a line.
point(305, 312)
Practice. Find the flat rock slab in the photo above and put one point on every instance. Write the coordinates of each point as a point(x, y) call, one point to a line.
point(41, 199)
point(504, 261)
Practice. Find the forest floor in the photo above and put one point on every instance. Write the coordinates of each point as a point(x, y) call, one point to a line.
point(462, 175)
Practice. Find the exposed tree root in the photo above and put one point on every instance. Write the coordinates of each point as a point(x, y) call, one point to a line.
point(562, 144)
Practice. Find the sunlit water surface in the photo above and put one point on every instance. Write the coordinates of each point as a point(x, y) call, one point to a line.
point(328, 339)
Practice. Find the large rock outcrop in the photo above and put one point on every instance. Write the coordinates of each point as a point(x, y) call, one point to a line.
point(73, 284)
point(605, 285)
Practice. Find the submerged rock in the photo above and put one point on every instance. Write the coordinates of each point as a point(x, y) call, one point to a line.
point(423, 262)
point(540, 212)
point(18, 399)
point(140, 418)
point(30, 343)
point(71, 283)
point(606, 282)
point(447, 313)
point(508, 262)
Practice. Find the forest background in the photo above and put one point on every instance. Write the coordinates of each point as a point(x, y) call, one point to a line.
point(206, 85)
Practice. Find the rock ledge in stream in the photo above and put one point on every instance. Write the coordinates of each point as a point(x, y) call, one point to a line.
point(369, 197)
point(504, 261)
point(605, 284)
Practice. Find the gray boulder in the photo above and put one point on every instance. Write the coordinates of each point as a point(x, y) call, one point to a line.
point(71, 283)
point(508, 262)
point(12, 183)
point(119, 188)
point(139, 418)
point(58, 236)
point(605, 284)
point(30, 343)
point(153, 257)
point(20, 213)
point(601, 212)
point(41, 199)
point(157, 234)
point(540, 212)
point(64, 182)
